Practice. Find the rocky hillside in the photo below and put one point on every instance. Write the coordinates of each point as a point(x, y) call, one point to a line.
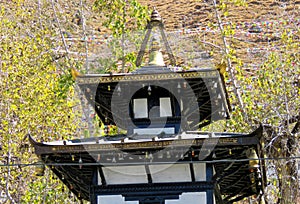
point(257, 26)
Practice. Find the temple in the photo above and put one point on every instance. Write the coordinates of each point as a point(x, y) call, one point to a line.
point(160, 156)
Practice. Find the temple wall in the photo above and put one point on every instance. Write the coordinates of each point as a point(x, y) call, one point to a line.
point(190, 198)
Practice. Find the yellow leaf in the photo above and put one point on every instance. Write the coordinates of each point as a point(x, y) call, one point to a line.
point(13, 107)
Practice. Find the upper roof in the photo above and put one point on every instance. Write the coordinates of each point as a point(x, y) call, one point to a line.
point(205, 86)
point(200, 90)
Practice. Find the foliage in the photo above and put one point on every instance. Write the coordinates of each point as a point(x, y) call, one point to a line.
point(122, 16)
point(269, 96)
point(124, 19)
point(272, 98)
point(37, 92)
point(36, 98)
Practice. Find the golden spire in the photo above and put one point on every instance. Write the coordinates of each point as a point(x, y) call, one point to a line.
point(155, 56)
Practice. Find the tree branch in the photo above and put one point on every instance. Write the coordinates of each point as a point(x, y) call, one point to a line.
point(59, 27)
point(231, 73)
point(85, 37)
point(296, 128)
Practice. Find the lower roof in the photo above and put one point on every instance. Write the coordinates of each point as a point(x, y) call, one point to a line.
point(75, 161)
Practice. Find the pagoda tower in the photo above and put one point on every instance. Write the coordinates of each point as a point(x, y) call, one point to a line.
point(162, 158)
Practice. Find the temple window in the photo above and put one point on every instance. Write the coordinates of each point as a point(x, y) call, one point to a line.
point(140, 108)
point(165, 107)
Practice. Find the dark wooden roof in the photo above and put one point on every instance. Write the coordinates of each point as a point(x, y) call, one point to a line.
point(74, 161)
point(205, 85)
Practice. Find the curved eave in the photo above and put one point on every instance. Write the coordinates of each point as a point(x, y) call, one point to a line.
point(103, 144)
point(33, 142)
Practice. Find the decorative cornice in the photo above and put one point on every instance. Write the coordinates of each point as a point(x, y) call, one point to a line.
point(146, 77)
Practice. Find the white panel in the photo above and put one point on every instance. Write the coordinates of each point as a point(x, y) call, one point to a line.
point(190, 198)
point(170, 173)
point(114, 199)
point(214, 199)
point(140, 108)
point(99, 179)
point(165, 107)
point(200, 171)
point(156, 131)
point(125, 174)
point(181, 105)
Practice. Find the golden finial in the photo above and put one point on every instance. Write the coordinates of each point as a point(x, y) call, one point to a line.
point(155, 15)
point(155, 56)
